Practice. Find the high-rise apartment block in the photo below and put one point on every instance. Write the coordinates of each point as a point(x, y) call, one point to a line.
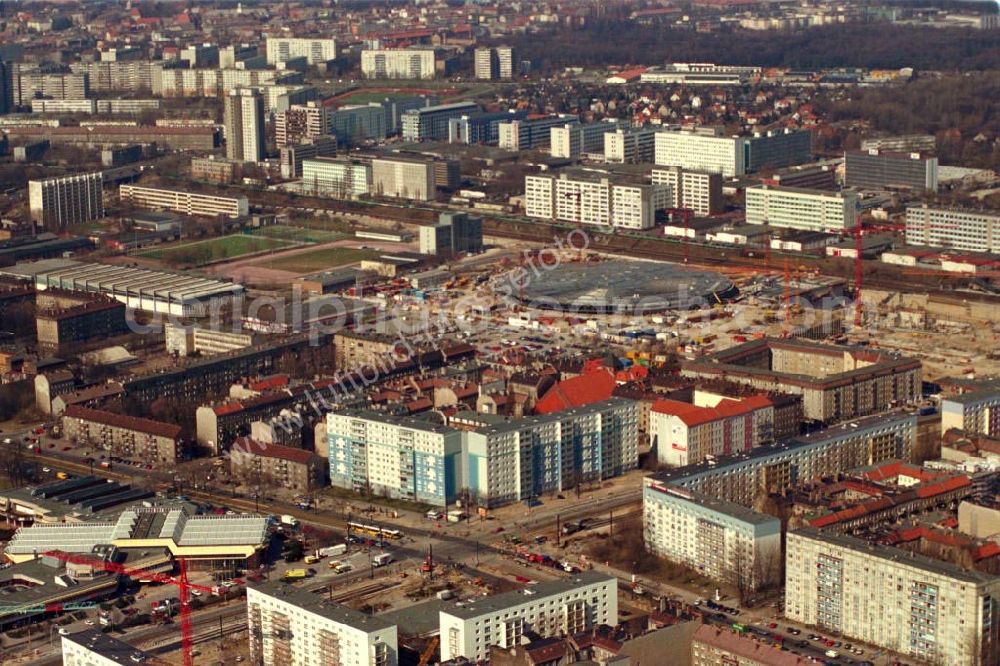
point(301, 122)
point(412, 63)
point(496, 62)
point(698, 191)
point(587, 199)
point(879, 170)
point(58, 202)
point(686, 433)
point(315, 51)
point(244, 119)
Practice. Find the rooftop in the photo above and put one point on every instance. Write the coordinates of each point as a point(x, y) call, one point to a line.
point(318, 605)
point(110, 648)
point(499, 602)
point(146, 426)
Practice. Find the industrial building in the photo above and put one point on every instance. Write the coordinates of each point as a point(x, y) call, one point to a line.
point(551, 608)
point(65, 200)
point(288, 625)
point(139, 289)
point(961, 230)
point(410, 63)
point(878, 170)
point(921, 607)
point(798, 208)
point(188, 203)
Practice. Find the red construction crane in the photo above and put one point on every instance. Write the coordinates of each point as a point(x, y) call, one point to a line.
point(184, 587)
point(859, 231)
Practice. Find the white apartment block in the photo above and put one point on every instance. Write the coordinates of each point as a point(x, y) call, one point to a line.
point(93, 648)
point(701, 151)
point(698, 191)
point(403, 178)
point(961, 230)
point(630, 146)
point(301, 121)
point(398, 64)
point(975, 412)
point(337, 177)
point(908, 603)
point(403, 458)
point(483, 64)
point(552, 608)
point(289, 626)
point(65, 200)
point(215, 82)
point(315, 51)
point(687, 433)
point(517, 460)
point(572, 140)
point(188, 203)
point(594, 201)
point(722, 540)
point(87, 106)
point(243, 115)
point(799, 208)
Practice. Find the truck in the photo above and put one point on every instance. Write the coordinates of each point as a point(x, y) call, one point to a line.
point(289, 520)
point(340, 567)
point(311, 559)
point(456, 516)
point(381, 559)
point(332, 551)
point(295, 574)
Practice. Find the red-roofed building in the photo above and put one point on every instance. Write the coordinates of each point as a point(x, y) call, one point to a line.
point(582, 390)
point(721, 645)
point(685, 433)
point(266, 464)
point(123, 436)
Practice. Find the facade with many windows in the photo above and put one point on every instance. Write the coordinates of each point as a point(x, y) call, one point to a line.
point(398, 64)
point(597, 201)
point(799, 208)
point(908, 603)
point(552, 608)
point(315, 51)
point(952, 228)
point(189, 203)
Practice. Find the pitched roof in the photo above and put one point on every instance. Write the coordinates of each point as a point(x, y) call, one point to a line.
point(252, 447)
point(692, 415)
point(147, 426)
point(576, 392)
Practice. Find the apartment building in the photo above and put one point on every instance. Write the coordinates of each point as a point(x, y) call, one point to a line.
point(798, 208)
point(92, 647)
point(975, 412)
point(26, 85)
point(290, 157)
point(631, 145)
point(217, 82)
point(65, 318)
point(412, 63)
point(171, 138)
point(722, 646)
point(216, 170)
point(188, 203)
point(599, 201)
point(530, 133)
point(575, 139)
point(243, 113)
point(59, 202)
point(722, 540)
point(188, 340)
point(698, 191)
point(276, 465)
point(300, 123)
point(880, 170)
point(404, 458)
point(953, 228)
point(492, 63)
point(287, 625)
point(430, 123)
point(120, 76)
point(353, 349)
point(551, 608)
point(525, 458)
point(686, 433)
point(356, 124)
point(924, 608)
point(343, 178)
point(123, 436)
point(403, 178)
point(315, 51)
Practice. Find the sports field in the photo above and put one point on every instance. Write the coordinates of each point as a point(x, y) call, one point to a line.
point(300, 234)
point(316, 260)
point(215, 249)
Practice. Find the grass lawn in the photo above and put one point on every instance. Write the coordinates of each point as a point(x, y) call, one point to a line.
point(300, 234)
point(215, 249)
point(318, 260)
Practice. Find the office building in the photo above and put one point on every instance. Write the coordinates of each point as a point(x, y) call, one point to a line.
point(395, 107)
point(706, 149)
point(777, 149)
point(903, 143)
point(722, 540)
point(403, 178)
point(200, 55)
point(413, 63)
point(65, 200)
point(879, 170)
point(697, 191)
point(926, 609)
point(244, 119)
point(92, 647)
point(430, 123)
point(189, 340)
point(492, 63)
point(530, 133)
point(552, 608)
point(403, 458)
point(525, 458)
point(290, 157)
point(301, 122)
point(587, 199)
point(123, 436)
point(631, 145)
point(435, 238)
point(798, 208)
point(953, 228)
point(453, 233)
point(276, 465)
point(356, 124)
point(189, 203)
point(481, 128)
point(686, 433)
point(572, 140)
point(290, 626)
point(315, 51)
point(343, 178)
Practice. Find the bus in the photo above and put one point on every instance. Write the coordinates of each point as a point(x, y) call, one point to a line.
point(373, 531)
point(739, 628)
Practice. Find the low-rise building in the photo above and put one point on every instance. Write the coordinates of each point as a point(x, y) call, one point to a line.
point(189, 203)
point(124, 436)
point(273, 464)
point(287, 625)
point(722, 646)
point(551, 608)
